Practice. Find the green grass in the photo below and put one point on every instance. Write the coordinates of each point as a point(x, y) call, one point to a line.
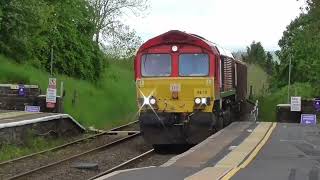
point(258, 79)
point(8, 152)
point(109, 103)
point(268, 103)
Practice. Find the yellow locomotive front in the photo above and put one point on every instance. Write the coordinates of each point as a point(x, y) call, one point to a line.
point(176, 81)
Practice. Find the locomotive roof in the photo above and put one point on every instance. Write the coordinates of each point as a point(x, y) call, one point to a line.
point(179, 37)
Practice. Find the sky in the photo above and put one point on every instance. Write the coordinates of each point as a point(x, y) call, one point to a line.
point(233, 24)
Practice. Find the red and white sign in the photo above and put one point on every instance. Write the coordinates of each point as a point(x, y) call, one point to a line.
point(53, 83)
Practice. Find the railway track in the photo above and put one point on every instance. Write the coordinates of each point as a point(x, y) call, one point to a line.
point(43, 169)
point(125, 164)
point(6, 167)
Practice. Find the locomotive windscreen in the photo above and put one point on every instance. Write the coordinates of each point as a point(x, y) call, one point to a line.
point(156, 65)
point(194, 65)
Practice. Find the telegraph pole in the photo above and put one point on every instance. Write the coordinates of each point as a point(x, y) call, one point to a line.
point(289, 81)
point(51, 62)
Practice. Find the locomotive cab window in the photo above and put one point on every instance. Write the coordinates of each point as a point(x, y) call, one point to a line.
point(156, 65)
point(194, 65)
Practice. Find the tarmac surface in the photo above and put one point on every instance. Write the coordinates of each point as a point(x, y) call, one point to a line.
point(242, 151)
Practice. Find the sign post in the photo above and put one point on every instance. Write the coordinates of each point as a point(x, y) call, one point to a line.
point(51, 97)
point(295, 104)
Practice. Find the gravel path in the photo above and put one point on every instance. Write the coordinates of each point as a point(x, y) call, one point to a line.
point(105, 160)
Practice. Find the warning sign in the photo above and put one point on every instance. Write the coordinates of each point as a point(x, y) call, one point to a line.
point(53, 83)
point(296, 104)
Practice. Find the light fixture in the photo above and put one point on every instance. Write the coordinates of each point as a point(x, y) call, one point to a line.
point(197, 101)
point(152, 101)
point(203, 100)
point(174, 48)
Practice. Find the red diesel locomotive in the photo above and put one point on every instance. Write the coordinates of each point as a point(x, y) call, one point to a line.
point(187, 88)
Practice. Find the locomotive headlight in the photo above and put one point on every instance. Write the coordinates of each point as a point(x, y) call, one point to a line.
point(152, 101)
point(174, 48)
point(203, 100)
point(197, 101)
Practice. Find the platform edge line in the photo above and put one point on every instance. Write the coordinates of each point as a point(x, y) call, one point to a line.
point(254, 153)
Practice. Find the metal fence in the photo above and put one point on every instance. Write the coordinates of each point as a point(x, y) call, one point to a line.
point(255, 112)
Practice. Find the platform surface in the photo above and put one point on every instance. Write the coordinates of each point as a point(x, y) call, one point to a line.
point(242, 151)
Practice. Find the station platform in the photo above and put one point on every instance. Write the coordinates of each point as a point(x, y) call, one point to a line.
point(242, 151)
point(16, 125)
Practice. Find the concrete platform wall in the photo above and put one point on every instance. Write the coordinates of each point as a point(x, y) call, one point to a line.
point(60, 127)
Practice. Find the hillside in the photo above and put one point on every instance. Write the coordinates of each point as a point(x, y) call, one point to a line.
point(110, 103)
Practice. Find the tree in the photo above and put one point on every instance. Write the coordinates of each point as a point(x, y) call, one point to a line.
point(29, 29)
point(269, 63)
point(123, 43)
point(300, 43)
point(107, 14)
point(256, 54)
point(108, 24)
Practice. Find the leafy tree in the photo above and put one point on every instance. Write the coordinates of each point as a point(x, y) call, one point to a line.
point(123, 43)
point(116, 36)
point(29, 29)
point(300, 43)
point(256, 54)
point(269, 63)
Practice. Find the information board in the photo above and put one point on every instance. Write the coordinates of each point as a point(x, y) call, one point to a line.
point(51, 95)
point(32, 108)
point(308, 119)
point(295, 104)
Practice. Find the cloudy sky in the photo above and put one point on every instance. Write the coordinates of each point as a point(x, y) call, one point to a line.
point(233, 24)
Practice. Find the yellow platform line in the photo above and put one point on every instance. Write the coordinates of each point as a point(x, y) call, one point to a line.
point(238, 158)
point(252, 156)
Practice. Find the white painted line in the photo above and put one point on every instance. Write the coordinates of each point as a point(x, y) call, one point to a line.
point(120, 171)
point(41, 119)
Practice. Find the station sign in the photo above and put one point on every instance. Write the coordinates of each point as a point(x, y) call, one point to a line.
point(51, 97)
point(295, 104)
point(32, 108)
point(308, 119)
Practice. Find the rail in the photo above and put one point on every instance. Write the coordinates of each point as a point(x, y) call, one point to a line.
point(109, 145)
point(109, 132)
point(125, 164)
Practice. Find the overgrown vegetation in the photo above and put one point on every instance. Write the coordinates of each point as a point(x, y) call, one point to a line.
point(33, 145)
point(269, 102)
point(29, 30)
point(109, 103)
point(300, 43)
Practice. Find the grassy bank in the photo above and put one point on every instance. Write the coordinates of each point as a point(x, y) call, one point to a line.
point(109, 103)
point(8, 151)
point(258, 79)
point(269, 102)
